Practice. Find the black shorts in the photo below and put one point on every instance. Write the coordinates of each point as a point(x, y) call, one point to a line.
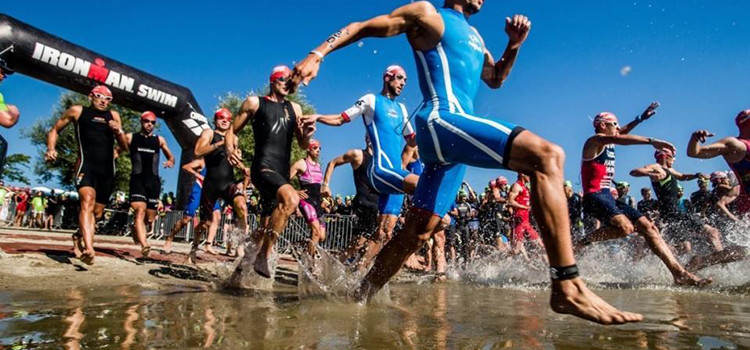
point(367, 220)
point(101, 181)
point(145, 189)
point(210, 195)
point(603, 206)
point(268, 183)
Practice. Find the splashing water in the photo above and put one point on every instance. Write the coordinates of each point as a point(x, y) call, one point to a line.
point(244, 275)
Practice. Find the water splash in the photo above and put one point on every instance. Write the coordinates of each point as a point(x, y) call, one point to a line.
point(244, 275)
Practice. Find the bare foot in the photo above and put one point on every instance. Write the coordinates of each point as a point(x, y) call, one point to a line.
point(77, 245)
point(688, 279)
point(261, 266)
point(574, 298)
point(88, 257)
point(145, 251)
point(193, 255)
point(207, 248)
point(167, 246)
point(440, 278)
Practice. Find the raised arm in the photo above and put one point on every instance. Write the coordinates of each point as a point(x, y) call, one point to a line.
point(731, 148)
point(406, 19)
point(352, 156)
point(167, 153)
point(495, 73)
point(650, 111)
point(70, 115)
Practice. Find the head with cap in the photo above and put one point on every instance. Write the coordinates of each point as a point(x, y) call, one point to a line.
point(148, 122)
point(313, 149)
point(606, 123)
point(664, 157)
point(622, 188)
point(568, 188)
point(462, 196)
point(394, 80)
point(743, 119)
point(719, 178)
point(703, 182)
point(100, 97)
point(278, 80)
point(4, 70)
point(470, 7)
point(523, 178)
point(222, 119)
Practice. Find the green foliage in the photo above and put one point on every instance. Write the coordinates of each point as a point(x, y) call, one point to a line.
point(246, 140)
point(63, 170)
point(12, 171)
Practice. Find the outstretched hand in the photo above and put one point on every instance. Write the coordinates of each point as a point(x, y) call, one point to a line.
point(517, 29)
point(703, 135)
point(304, 72)
point(650, 110)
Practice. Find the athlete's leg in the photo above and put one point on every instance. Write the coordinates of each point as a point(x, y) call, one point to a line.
point(240, 212)
point(727, 255)
point(213, 228)
point(139, 223)
point(177, 228)
point(655, 241)
point(288, 200)
point(543, 161)
point(86, 222)
point(386, 223)
point(714, 237)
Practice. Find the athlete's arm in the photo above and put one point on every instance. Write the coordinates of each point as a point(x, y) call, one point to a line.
point(515, 190)
point(297, 168)
point(247, 110)
point(194, 168)
point(167, 153)
point(601, 140)
point(495, 73)
point(651, 171)
point(731, 148)
point(116, 126)
point(70, 115)
point(408, 154)
point(204, 146)
point(352, 156)
point(408, 18)
point(128, 139)
point(304, 130)
point(722, 203)
point(684, 177)
point(9, 115)
point(650, 111)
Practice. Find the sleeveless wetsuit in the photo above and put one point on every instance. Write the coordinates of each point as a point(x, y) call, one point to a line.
point(521, 220)
point(145, 185)
point(742, 171)
point(96, 163)
point(273, 126)
point(365, 203)
point(219, 180)
point(449, 135)
point(668, 202)
point(310, 181)
point(387, 124)
point(597, 174)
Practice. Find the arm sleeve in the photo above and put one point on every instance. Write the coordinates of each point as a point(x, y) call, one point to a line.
point(364, 105)
point(408, 130)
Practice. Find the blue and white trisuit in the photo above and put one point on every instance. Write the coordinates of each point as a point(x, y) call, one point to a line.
point(387, 124)
point(449, 135)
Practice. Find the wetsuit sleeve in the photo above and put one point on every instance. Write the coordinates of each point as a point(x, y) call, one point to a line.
point(407, 131)
point(3, 107)
point(366, 104)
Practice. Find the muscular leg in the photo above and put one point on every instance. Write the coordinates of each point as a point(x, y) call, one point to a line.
point(386, 223)
point(317, 235)
point(660, 248)
point(543, 162)
point(139, 225)
point(288, 200)
point(714, 237)
point(86, 222)
point(177, 228)
point(213, 228)
point(240, 211)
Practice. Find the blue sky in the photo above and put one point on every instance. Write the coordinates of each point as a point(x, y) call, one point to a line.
point(689, 55)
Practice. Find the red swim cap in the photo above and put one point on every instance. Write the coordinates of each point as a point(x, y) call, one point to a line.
point(661, 153)
point(148, 115)
point(605, 117)
point(101, 90)
point(718, 175)
point(393, 70)
point(742, 117)
point(312, 144)
point(502, 181)
point(278, 72)
point(223, 113)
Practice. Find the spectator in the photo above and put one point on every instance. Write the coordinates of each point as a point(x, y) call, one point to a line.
point(22, 204)
point(701, 199)
point(38, 205)
point(623, 190)
point(647, 205)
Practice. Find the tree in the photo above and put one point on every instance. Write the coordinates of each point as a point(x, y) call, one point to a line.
point(246, 140)
point(63, 170)
point(12, 170)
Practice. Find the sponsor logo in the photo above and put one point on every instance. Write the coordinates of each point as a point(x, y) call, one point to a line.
point(99, 72)
point(475, 43)
point(392, 113)
point(146, 150)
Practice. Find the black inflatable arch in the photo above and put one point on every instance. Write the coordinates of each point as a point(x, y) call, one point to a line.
point(43, 56)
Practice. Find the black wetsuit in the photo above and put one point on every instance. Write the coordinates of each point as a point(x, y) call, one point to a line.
point(365, 203)
point(96, 162)
point(145, 185)
point(273, 126)
point(668, 198)
point(702, 201)
point(219, 180)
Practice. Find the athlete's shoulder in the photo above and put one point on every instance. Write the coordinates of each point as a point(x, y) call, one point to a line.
point(207, 133)
point(420, 8)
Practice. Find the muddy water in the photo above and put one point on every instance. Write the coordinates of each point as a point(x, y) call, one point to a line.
point(423, 316)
